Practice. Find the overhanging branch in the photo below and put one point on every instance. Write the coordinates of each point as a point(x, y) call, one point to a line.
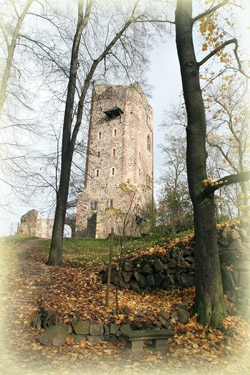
point(225, 181)
point(216, 50)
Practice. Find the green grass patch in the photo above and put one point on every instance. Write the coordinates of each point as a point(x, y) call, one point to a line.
point(79, 251)
point(13, 240)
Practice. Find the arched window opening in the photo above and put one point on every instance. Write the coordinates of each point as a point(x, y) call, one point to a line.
point(98, 154)
point(100, 135)
point(113, 152)
point(148, 143)
point(115, 132)
point(97, 173)
point(112, 171)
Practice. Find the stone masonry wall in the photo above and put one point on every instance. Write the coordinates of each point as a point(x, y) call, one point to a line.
point(119, 149)
point(31, 226)
point(175, 268)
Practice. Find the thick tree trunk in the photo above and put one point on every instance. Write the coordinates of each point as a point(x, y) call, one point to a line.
point(209, 303)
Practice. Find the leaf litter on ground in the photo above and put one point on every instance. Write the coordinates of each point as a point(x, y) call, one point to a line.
point(79, 292)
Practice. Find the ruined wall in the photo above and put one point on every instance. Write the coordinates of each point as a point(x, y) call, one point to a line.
point(31, 226)
point(44, 228)
point(120, 149)
point(28, 224)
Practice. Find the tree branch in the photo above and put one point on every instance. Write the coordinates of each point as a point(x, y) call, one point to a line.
point(216, 50)
point(225, 181)
point(209, 11)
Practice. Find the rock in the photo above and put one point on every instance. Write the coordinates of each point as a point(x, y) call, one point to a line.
point(228, 256)
point(128, 267)
point(158, 265)
point(94, 339)
point(126, 276)
point(171, 279)
point(137, 325)
point(187, 280)
point(175, 315)
point(135, 287)
point(36, 321)
point(48, 318)
point(164, 314)
point(165, 267)
point(182, 305)
point(124, 285)
point(142, 281)
point(172, 264)
point(78, 338)
point(225, 232)
point(66, 327)
point(53, 336)
point(165, 284)
point(164, 259)
point(114, 277)
point(234, 234)
point(125, 328)
point(147, 269)
point(126, 310)
point(151, 280)
point(81, 327)
point(190, 259)
point(235, 245)
point(96, 330)
point(222, 242)
point(231, 295)
point(114, 328)
point(227, 279)
point(183, 315)
point(158, 279)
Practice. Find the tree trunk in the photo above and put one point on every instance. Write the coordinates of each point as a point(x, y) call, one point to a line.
point(55, 255)
point(209, 303)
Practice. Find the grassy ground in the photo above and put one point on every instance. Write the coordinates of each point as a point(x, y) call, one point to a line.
point(79, 251)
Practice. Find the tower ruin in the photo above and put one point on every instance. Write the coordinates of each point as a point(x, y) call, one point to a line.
point(119, 167)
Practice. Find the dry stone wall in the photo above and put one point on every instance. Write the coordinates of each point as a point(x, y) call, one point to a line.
point(175, 269)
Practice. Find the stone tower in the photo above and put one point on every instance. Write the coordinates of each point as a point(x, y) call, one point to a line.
point(120, 153)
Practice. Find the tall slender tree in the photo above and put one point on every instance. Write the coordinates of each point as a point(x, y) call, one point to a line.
point(209, 304)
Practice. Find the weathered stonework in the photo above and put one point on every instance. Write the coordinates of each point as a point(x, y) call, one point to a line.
point(31, 226)
point(120, 149)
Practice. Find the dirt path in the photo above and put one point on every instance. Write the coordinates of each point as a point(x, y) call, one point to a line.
point(25, 278)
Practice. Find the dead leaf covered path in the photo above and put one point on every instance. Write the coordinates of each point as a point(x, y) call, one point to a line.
point(27, 282)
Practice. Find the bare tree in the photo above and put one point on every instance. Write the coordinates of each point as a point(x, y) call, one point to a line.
point(117, 47)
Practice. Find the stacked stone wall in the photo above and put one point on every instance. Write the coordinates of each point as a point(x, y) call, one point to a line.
point(175, 268)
